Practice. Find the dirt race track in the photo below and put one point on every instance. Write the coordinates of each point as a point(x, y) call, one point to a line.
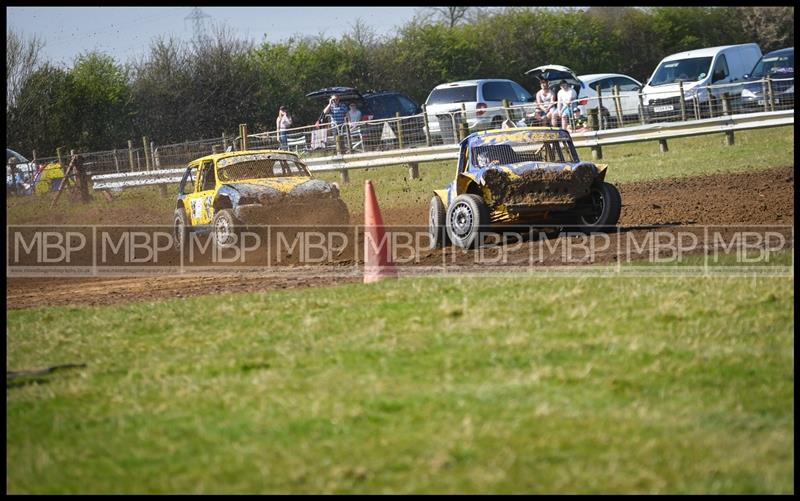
point(757, 199)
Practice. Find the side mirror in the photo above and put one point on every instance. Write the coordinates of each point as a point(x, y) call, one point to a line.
point(746, 76)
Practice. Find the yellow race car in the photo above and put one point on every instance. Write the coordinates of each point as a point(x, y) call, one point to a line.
point(522, 176)
point(226, 192)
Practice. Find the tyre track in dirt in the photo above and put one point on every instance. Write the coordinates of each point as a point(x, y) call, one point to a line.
point(764, 197)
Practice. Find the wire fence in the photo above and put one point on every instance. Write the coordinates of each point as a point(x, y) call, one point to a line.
point(604, 109)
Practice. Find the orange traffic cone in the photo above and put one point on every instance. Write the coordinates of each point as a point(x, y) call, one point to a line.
point(377, 264)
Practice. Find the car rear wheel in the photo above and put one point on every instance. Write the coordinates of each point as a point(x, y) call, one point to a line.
point(467, 218)
point(437, 218)
point(606, 206)
point(225, 229)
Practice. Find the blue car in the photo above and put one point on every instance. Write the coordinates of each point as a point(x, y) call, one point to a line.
point(778, 65)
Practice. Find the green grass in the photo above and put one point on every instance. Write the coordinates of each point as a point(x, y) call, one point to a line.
point(754, 149)
point(447, 384)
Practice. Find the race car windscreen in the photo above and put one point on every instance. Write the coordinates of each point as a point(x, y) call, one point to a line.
point(529, 151)
point(258, 167)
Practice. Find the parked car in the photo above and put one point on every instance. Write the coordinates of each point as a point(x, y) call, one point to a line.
point(586, 88)
point(255, 187)
point(377, 105)
point(482, 100)
point(778, 65)
point(697, 69)
point(521, 176)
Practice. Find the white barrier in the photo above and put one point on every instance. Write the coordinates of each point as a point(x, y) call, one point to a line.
point(592, 139)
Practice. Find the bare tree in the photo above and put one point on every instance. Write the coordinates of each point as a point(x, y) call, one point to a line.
point(22, 59)
point(450, 16)
point(772, 27)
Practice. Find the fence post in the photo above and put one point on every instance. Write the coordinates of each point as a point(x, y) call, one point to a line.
point(455, 127)
point(349, 138)
point(710, 102)
point(641, 109)
point(154, 157)
point(116, 160)
point(399, 130)
point(729, 138)
point(345, 176)
point(243, 133)
point(58, 154)
point(33, 159)
point(339, 145)
point(224, 142)
point(506, 109)
point(427, 128)
point(130, 154)
point(592, 119)
point(146, 147)
point(726, 104)
point(769, 93)
point(597, 152)
point(600, 108)
point(413, 170)
point(764, 93)
point(618, 106)
point(696, 107)
point(662, 145)
point(683, 102)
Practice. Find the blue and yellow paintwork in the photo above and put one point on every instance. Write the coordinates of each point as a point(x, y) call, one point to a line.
point(470, 177)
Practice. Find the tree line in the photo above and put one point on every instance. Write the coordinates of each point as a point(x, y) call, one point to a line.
point(191, 90)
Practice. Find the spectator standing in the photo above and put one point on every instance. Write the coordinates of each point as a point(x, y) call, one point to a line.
point(283, 123)
point(338, 112)
point(546, 104)
point(566, 96)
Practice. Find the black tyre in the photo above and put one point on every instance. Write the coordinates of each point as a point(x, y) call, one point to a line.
point(437, 218)
point(606, 205)
point(467, 218)
point(180, 229)
point(225, 229)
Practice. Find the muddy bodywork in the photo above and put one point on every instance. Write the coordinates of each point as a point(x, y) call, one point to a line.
point(527, 174)
point(271, 195)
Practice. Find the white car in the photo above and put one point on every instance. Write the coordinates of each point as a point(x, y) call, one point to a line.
point(629, 90)
point(586, 88)
point(482, 99)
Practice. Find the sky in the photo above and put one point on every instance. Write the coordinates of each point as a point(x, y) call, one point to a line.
point(126, 32)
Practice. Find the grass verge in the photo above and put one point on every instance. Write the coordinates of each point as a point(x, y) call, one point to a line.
point(494, 384)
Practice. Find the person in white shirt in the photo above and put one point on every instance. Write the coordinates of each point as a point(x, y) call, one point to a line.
point(566, 98)
point(545, 104)
point(283, 122)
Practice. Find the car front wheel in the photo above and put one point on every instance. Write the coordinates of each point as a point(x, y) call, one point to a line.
point(467, 218)
point(225, 228)
point(606, 205)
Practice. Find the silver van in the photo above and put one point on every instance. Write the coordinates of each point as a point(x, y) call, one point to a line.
point(482, 99)
point(714, 66)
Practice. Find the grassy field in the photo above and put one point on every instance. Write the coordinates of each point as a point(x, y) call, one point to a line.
point(755, 149)
point(417, 385)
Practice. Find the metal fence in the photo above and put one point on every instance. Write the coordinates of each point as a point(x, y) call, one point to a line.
point(610, 109)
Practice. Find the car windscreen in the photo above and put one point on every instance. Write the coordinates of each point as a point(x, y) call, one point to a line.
point(511, 152)
point(683, 70)
point(465, 94)
point(258, 167)
point(774, 66)
point(383, 106)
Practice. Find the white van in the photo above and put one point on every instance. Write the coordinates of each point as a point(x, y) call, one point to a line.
point(696, 69)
